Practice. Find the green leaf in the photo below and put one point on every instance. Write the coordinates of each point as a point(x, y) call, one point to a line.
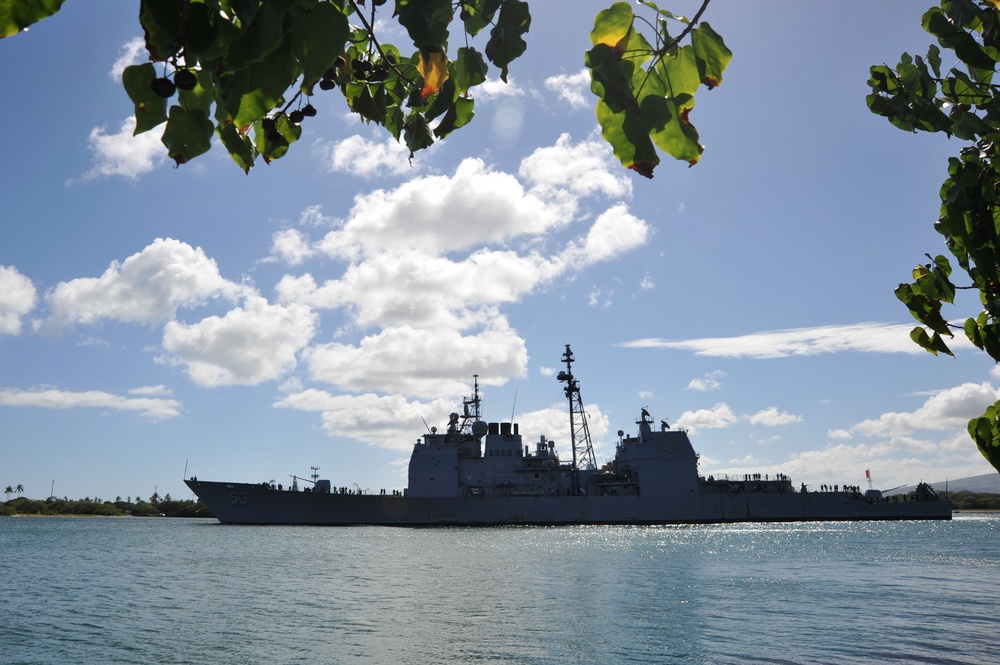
point(16, 15)
point(317, 38)
point(426, 21)
point(712, 53)
point(953, 37)
point(201, 31)
point(934, 344)
point(934, 57)
point(458, 115)
point(506, 42)
point(275, 145)
point(417, 133)
point(985, 431)
point(972, 332)
point(361, 100)
point(443, 100)
point(469, 69)
point(261, 37)
point(161, 23)
point(477, 14)
point(960, 89)
point(663, 12)
point(202, 96)
point(187, 135)
point(249, 94)
point(150, 108)
point(629, 139)
point(240, 146)
point(612, 25)
point(679, 72)
point(226, 35)
point(672, 132)
point(610, 77)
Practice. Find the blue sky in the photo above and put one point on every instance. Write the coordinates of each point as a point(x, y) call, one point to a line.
point(314, 312)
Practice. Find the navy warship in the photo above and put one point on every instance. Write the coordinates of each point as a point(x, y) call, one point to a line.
point(476, 473)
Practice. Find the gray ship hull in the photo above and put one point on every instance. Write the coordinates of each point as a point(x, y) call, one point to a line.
point(243, 503)
point(483, 474)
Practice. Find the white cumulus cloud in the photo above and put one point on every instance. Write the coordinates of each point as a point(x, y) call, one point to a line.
point(945, 410)
point(772, 417)
point(357, 155)
point(718, 416)
point(707, 383)
point(145, 288)
point(122, 154)
point(571, 88)
point(430, 264)
point(614, 232)
point(496, 354)
point(17, 298)
point(292, 246)
point(249, 345)
point(386, 421)
point(440, 214)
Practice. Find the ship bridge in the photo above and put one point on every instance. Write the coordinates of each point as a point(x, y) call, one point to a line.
point(665, 456)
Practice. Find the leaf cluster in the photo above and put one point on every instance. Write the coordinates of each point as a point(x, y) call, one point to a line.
point(962, 101)
point(646, 85)
point(241, 69)
point(247, 70)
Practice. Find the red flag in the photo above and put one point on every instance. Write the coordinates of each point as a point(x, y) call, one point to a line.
point(868, 474)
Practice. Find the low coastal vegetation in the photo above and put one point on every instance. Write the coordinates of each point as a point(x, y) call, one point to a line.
point(972, 500)
point(153, 507)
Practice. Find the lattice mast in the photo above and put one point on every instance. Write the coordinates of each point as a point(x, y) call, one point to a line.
point(471, 408)
point(583, 448)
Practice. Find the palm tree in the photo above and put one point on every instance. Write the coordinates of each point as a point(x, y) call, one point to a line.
point(8, 492)
point(19, 489)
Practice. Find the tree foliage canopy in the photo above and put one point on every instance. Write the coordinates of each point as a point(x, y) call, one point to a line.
point(248, 71)
point(962, 101)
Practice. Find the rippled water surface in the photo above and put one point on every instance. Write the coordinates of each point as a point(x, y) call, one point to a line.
point(133, 590)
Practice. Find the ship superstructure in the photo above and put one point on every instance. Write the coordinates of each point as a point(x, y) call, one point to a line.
point(483, 473)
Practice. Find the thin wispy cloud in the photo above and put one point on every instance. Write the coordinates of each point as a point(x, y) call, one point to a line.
point(864, 337)
point(148, 407)
point(133, 52)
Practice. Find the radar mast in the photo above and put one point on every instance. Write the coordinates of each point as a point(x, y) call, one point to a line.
point(471, 415)
point(583, 448)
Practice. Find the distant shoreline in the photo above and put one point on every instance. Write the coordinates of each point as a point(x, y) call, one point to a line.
point(54, 507)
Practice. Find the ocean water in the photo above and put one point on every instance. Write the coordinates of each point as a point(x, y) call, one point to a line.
point(134, 590)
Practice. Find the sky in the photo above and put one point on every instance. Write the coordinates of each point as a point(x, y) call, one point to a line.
point(159, 321)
